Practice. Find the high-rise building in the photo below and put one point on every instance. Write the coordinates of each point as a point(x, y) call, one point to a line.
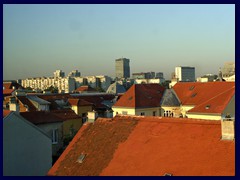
point(58, 73)
point(122, 68)
point(74, 73)
point(185, 74)
point(228, 69)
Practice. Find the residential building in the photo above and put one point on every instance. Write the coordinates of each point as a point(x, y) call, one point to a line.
point(59, 125)
point(185, 74)
point(74, 73)
point(159, 75)
point(140, 99)
point(100, 81)
point(116, 89)
point(141, 75)
point(81, 107)
point(27, 150)
point(228, 69)
point(149, 146)
point(149, 81)
point(210, 100)
point(122, 68)
point(170, 104)
point(207, 78)
point(59, 74)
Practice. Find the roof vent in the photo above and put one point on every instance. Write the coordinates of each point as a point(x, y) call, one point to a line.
point(81, 158)
point(130, 98)
point(192, 87)
point(207, 106)
point(167, 174)
point(193, 95)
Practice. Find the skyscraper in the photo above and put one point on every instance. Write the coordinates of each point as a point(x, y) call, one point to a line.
point(122, 68)
point(185, 74)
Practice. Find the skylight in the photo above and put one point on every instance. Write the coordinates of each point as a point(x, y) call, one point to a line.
point(81, 158)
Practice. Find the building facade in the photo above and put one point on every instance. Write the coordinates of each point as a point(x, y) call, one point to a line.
point(185, 74)
point(122, 68)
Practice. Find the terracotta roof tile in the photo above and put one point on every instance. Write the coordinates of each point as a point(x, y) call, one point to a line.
point(79, 102)
point(6, 112)
point(85, 88)
point(141, 95)
point(132, 145)
point(195, 93)
point(216, 104)
point(40, 117)
point(8, 91)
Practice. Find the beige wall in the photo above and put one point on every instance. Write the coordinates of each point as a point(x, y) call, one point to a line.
point(185, 108)
point(204, 116)
point(81, 109)
point(48, 129)
point(176, 110)
point(132, 111)
point(119, 110)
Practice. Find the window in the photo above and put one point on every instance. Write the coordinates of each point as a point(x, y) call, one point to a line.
point(124, 112)
point(154, 113)
point(54, 136)
point(142, 114)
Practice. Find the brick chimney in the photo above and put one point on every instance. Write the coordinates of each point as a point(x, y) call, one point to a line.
point(228, 128)
point(92, 116)
point(13, 105)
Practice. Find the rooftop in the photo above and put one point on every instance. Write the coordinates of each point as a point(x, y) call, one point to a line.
point(134, 145)
point(195, 93)
point(141, 95)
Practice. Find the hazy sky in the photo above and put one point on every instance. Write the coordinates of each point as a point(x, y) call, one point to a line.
point(39, 39)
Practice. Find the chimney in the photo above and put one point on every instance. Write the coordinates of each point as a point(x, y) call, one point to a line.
point(228, 128)
point(13, 105)
point(92, 116)
point(109, 114)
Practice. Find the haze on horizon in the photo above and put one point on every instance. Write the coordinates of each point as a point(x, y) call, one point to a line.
point(39, 39)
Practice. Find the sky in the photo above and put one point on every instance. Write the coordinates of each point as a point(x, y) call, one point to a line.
point(39, 39)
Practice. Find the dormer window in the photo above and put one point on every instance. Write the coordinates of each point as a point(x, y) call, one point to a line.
point(207, 107)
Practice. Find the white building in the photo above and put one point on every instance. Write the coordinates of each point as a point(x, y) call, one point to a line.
point(185, 74)
point(149, 81)
point(65, 84)
point(59, 73)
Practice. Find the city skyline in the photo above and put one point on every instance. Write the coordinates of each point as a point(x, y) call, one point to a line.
point(39, 39)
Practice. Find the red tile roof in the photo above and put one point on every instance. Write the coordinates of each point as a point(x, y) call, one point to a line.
point(65, 114)
point(43, 117)
point(8, 91)
point(131, 145)
point(25, 101)
point(85, 88)
point(79, 102)
point(216, 104)
point(141, 95)
point(6, 112)
point(97, 100)
point(195, 93)
point(40, 117)
point(9, 85)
